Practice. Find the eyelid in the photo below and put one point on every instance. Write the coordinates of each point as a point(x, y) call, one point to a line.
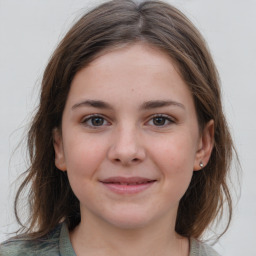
point(170, 119)
point(163, 115)
point(88, 117)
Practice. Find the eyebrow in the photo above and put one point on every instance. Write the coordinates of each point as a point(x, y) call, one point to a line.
point(160, 103)
point(145, 106)
point(93, 103)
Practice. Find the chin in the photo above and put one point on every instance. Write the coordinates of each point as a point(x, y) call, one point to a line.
point(129, 220)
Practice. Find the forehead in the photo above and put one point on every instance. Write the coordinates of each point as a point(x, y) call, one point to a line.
point(133, 54)
point(139, 68)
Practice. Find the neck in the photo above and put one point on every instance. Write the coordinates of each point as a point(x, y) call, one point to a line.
point(96, 237)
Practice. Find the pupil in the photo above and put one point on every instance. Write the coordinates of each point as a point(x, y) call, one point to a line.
point(97, 121)
point(159, 121)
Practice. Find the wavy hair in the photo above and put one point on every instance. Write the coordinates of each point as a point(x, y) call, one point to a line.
point(113, 24)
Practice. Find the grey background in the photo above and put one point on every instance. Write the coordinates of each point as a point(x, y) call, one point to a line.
point(29, 32)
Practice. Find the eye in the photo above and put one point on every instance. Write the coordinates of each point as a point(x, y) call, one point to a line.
point(95, 121)
point(160, 120)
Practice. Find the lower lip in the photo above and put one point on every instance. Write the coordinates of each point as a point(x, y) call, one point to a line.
point(128, 189)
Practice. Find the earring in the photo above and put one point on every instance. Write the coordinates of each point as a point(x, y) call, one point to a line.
point(201, 164)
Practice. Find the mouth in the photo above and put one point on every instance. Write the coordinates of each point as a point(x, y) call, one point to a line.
point(124, 185)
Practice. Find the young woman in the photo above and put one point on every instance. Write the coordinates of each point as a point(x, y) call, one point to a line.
point(129, 148)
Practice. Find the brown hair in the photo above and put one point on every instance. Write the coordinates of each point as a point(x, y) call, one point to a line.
point(113, 24)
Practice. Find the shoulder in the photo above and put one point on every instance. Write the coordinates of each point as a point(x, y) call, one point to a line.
point(198, 248)
point(22, 246)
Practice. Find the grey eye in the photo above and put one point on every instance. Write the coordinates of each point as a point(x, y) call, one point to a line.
point(159, 121)
point(97, 121)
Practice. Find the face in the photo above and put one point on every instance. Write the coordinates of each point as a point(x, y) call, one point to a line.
point(130, 139)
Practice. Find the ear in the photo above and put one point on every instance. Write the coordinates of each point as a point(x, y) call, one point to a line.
point(205, 146)
point(60, 162)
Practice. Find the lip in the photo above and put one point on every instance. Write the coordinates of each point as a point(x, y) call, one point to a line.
point(127, 185)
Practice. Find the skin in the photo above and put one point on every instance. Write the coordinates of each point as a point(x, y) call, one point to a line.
point(129, 141)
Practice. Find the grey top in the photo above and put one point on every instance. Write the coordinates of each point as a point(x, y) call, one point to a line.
point(57, 243)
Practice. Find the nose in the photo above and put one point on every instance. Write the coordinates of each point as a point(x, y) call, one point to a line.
point(126, 148)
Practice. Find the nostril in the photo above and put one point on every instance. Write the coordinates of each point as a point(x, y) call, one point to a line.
point(134, 160)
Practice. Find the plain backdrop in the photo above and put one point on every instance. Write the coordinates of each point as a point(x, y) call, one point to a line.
point(29, 32)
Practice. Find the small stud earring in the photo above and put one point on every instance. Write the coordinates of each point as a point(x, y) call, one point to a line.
point(201, 164)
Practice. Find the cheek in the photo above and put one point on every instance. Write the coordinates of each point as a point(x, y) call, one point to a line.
point(83, 156)
point(175, 160)
point(176, 153)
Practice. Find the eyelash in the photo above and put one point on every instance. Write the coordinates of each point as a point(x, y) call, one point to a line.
point(165, 117)
point(90, 118)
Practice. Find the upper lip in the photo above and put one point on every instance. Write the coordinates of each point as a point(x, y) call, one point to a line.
point(127, 180)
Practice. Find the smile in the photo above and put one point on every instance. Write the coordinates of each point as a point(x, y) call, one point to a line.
point(123, 185)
